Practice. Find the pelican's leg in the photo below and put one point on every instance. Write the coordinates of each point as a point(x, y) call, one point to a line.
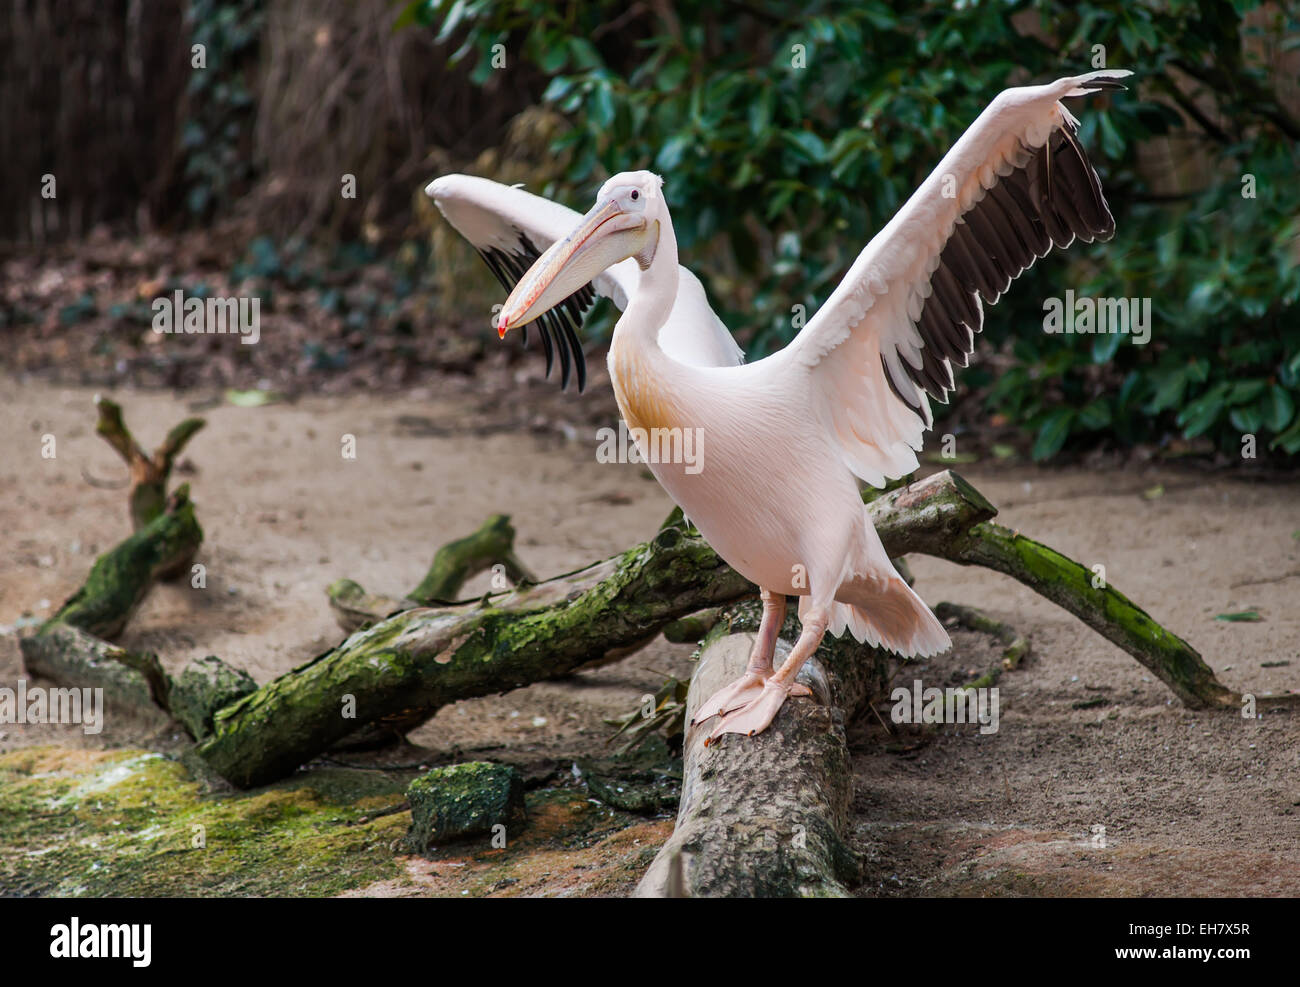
point(750, 684)
point(757, 714)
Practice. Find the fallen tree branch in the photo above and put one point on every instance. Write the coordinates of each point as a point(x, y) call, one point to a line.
point(149, 473)
point(1016, 646)
point(1109, 612)
point(415, 662)
point(121, 577)
point(73, 647)
point(765, 816)
point(493, 543)
point(72, 657)
point(404, 668)
point(454, 563)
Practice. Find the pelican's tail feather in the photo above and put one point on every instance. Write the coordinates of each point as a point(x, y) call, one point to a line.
point(887, 613)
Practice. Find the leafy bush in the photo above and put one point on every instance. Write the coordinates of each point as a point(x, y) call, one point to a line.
point(217, 126)
point(789, 133)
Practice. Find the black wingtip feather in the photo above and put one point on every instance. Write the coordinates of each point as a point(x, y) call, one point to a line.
point(1052, 199)
point(558, 327)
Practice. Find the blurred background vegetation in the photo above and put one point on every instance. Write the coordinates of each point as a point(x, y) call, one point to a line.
point(787, 134)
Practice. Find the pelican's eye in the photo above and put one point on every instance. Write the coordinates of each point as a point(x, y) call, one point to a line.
point(635, 195)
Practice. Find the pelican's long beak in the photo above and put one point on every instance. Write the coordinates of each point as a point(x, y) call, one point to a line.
point(606, 236)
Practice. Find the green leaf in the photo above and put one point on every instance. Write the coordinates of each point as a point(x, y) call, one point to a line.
point(1169, 391)
point(1288, 441)
point(1278, 409)
point(251, 399)
point(809, 144)
point(1201, 414)
point(602, 106)
point(1104, 347)
point(1239, 617)
point(1052, 434)
point(1095, 415)
point(670, 155)
point(1244, 391)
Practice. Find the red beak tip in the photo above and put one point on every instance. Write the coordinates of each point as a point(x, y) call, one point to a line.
point(501, 332)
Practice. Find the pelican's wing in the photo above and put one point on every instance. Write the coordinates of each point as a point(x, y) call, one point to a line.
point(511, 228)
point(1014, 185)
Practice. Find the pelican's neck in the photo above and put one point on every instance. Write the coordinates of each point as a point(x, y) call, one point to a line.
point(655, 294)
point(637, 366)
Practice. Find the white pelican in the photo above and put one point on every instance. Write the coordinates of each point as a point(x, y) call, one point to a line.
point(785, 439)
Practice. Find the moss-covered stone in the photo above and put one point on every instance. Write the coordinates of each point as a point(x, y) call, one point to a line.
point(463, 800)
point(204, 686)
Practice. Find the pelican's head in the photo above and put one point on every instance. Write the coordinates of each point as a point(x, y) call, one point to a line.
point(625, 222)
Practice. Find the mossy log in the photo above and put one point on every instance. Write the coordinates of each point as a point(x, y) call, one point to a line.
point(1106, 610)
point(73, 647)
point(415, 662)
point(454, 563)
point(404, 668)
point(149, 473)
point(72, 657)
point(1067, 583)
point(121, 577)
point(409, 665)
point(493, 543)
point(765, 816)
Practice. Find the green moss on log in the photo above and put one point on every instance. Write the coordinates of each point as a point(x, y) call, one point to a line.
point(492, 544)
point(1108, 611)
point(121, 577)
point(73, 658)
point(205, 686)
point(422, 659)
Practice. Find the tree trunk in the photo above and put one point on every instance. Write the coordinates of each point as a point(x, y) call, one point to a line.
point(765, 816)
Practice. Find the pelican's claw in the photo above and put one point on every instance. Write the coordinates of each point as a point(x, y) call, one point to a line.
point(740, 693)
point(757, 713)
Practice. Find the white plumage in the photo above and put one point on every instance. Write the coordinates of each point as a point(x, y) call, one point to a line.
point(782, 441)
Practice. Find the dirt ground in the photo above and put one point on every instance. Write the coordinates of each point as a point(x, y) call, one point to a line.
point(1191, 803)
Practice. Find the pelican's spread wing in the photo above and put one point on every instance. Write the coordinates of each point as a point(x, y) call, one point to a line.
point(511, 228)
point(1014, 185)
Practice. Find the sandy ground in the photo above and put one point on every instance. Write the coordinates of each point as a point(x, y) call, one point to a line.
point(1192, 803)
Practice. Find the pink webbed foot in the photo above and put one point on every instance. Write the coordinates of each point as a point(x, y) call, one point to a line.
point(739, 693)
point(757, 714)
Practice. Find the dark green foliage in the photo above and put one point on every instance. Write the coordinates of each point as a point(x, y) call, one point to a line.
point(216, 133)
point(778, 174)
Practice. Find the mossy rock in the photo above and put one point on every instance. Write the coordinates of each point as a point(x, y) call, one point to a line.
point(461, 801)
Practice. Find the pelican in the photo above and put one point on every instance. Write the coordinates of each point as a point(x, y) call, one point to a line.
point(785, 440)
